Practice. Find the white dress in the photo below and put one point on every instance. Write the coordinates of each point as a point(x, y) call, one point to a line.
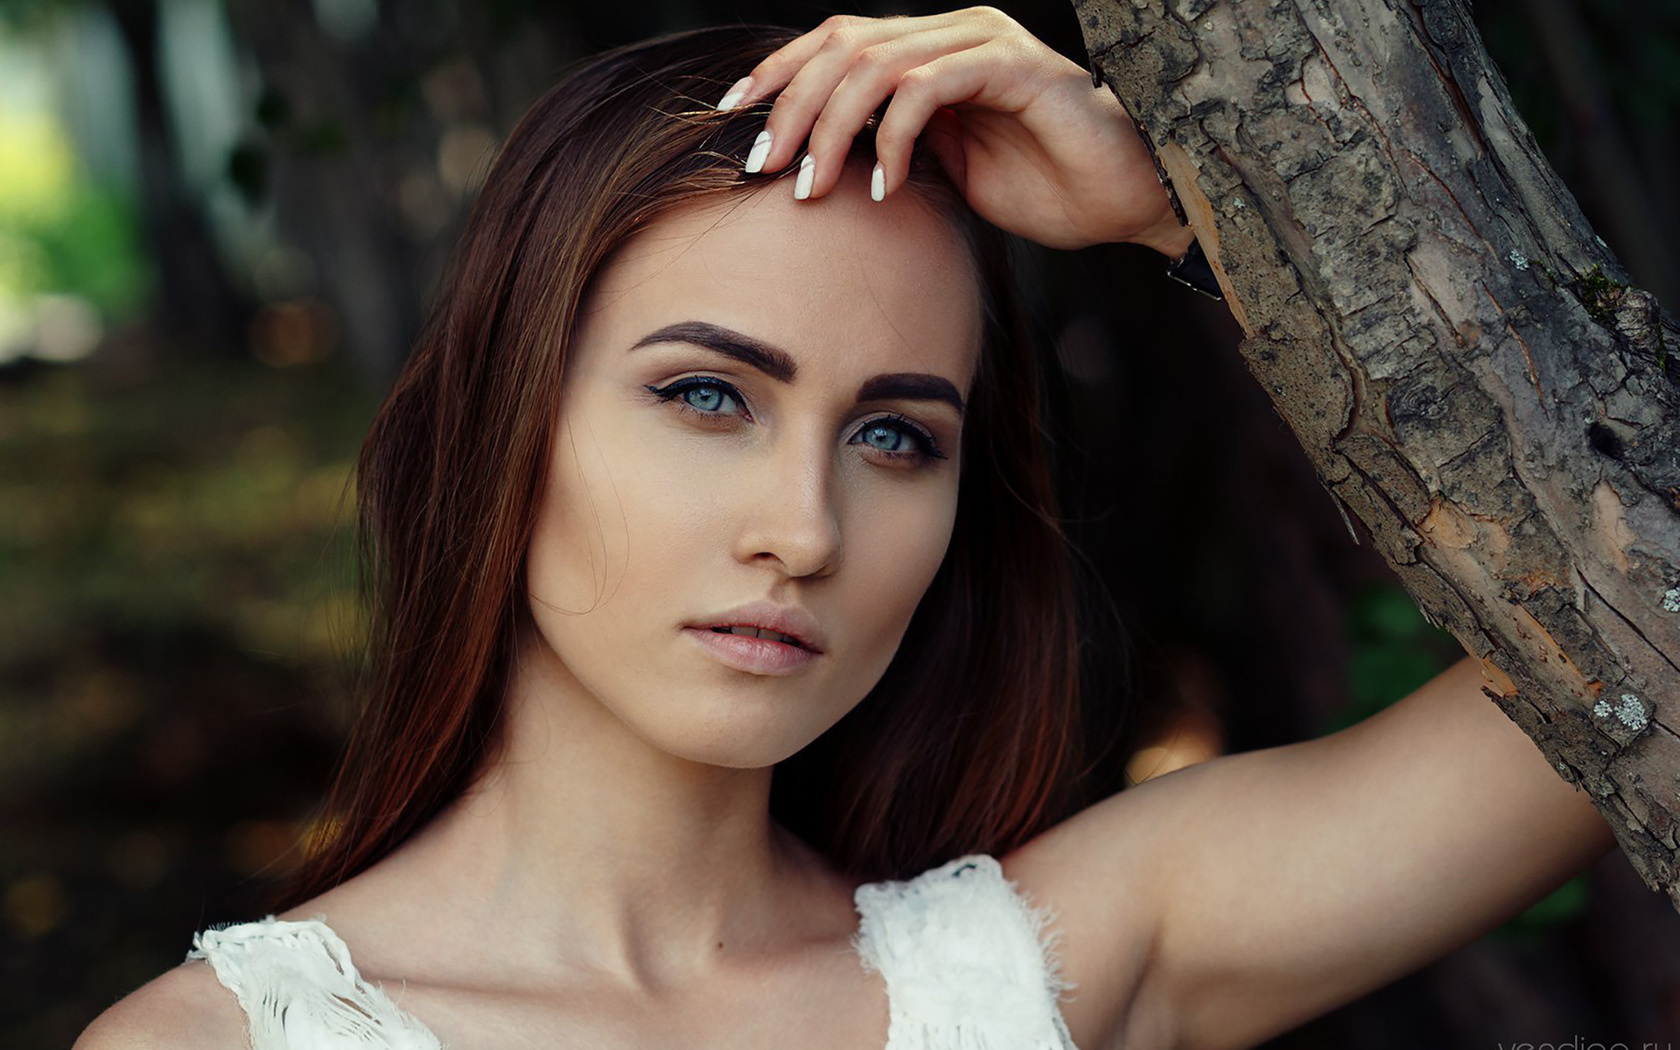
point(967, 962)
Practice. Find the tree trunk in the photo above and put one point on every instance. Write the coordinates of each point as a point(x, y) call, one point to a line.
point(1465, 362)
point(197, 305)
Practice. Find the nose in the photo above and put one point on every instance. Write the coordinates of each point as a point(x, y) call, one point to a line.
point(794, 519)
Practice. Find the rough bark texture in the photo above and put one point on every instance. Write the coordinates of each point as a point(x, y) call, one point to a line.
point(1464, 361)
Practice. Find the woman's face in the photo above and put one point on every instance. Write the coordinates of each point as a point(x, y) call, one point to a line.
point(687, 481)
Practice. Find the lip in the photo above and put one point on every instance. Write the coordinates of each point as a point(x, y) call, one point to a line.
point(785, 619)
point(744, 652)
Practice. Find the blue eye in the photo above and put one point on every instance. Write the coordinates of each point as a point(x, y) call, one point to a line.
point(703, 395)
point(893, 432)
point(886, 435)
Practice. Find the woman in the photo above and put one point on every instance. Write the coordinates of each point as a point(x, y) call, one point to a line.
point(695, 477)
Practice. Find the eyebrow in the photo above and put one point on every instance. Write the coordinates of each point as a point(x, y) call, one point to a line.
point(779, 365)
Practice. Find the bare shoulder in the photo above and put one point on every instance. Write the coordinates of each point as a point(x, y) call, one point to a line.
point(185, 1008)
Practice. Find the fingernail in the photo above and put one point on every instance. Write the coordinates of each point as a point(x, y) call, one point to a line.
point(760, 150)
point(807, 172)
point(736, 92)
point(878, 182)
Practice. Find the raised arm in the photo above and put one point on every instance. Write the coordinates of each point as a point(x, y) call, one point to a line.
point(1272, 886)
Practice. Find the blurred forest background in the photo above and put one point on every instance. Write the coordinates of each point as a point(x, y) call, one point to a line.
point(220, 223)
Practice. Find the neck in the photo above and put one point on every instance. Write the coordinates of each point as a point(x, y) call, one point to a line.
point(583, 842)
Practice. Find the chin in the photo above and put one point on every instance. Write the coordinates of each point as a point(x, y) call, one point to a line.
point(738, 737)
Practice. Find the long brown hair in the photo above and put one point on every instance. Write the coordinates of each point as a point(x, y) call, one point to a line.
point(969, 742)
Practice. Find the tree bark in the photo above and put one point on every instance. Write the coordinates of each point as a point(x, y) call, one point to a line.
point(1465, 363)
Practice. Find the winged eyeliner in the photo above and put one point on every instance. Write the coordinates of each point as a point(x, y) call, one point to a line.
point(779, 365)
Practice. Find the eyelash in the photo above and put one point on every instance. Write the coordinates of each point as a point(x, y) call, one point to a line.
point(929, 450)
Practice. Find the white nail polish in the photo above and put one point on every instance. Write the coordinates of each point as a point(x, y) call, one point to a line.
point(878, 182)
point(807, 172)
point(736, 92)
point(760, 150)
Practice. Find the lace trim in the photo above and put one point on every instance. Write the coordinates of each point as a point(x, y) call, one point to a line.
point(300, 991)
point(968, 962)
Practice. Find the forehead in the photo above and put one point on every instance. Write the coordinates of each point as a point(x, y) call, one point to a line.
point(842, 279)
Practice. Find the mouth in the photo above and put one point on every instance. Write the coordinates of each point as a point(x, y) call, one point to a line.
point(754, 650)
point(763, 626)
point(762, 632)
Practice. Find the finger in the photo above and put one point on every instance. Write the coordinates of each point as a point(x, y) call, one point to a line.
point(946, 81)
point(876, 73)
point(811, 85)
point(776, 69)
point(943, 135)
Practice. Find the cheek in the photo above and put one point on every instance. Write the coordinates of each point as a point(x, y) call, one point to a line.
point(577, 548)
point(895, 549)
point(595, 510)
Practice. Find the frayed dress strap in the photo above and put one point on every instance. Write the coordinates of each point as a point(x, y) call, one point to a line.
point(968, 962)
point(300, 991)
